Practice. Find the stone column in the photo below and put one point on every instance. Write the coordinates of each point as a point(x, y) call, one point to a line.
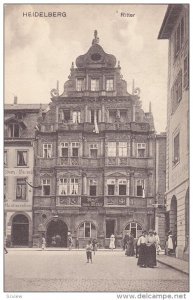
point(84, 188)
point(85, 113)
point(103, 114)
point(133, 117)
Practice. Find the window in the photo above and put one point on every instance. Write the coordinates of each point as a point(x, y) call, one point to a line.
point(186, 72)
point(179, 37)
point(46, 187)
point(47, 150)
point(73, 186)
point(13, 130)
point(123, 149)
point(21, 189)
point(140, 189)
point(92, 187)
point(134, 228)
point(87, 230)
point(110, 228)
point(21, 158)
point(80, 84)
point(111, 187)
point(63, 186)
point(75, 149)
point(176, 92)
point(94, 116)
point(94, 84)
point(112, 116)
point(76, 117)
point(66, 115)
point(123, 116)
point(141, 147)
point(64, 150)
point(5, 158)
point(111, 149)
point(122, 187)
point(109, 84)
point(176, 151)
point(93, 151)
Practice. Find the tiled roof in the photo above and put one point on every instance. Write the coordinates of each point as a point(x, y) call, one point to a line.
point(24, 106)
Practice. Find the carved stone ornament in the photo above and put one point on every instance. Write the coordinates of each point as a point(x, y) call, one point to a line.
point(54, 93)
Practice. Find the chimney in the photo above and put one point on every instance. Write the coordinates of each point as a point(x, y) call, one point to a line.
point(15, 100)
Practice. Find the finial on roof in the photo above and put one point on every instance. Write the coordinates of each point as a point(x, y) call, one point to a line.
point(119, 64)
point(150, 106)
point(72, 66)
point(96, 38)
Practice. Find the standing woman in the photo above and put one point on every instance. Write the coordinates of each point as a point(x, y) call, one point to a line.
point(130, 246)
point(142, 248)
point(151, 249)
point(112, 242)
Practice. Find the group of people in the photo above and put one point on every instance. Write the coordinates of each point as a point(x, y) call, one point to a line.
point(148, 245)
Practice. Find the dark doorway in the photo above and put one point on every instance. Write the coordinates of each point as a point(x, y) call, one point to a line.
point(110, 228)
point(20, 230)
point(59, 230)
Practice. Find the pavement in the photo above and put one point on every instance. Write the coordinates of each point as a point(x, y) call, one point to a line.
point(169, 261)
point(61, 270)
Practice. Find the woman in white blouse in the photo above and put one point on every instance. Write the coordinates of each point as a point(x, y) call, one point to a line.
point(142, 244)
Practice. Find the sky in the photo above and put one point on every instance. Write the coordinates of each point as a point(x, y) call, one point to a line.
point(38, 51)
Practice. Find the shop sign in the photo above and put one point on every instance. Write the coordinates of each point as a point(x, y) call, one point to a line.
point(18, 172)
point(92, 201)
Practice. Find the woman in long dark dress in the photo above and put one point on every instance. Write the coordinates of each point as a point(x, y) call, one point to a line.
point(130, 246)
point(151, 250)
point(142, 244)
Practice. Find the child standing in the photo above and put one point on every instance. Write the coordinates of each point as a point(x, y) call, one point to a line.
point(89, 252)
point(43, 242)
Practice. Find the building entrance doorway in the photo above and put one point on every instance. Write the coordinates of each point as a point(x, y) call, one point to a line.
point(20, 230)
point(56, 235)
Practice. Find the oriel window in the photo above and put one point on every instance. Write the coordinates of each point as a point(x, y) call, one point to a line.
point(63, 186)
point(21, 188)
point(74, 186)
point(21, 158)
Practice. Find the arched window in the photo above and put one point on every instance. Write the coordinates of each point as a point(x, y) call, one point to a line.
point(134, 228)
point(87, 230)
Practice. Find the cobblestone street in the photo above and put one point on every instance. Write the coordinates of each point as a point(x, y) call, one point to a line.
point(68, 271)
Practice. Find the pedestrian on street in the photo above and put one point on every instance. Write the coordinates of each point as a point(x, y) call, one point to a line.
point(77, 243)
point(158, 248)
point(170, 243)
point(94, 245)
point(142, 244)
point(112, 242)
point(54, 241)
point(130, 245)
point(43, 242)
point(70, 242)
point(125, 240)
point(58, 240)
point(5, 250)
point(151, 250)
point(89, 249)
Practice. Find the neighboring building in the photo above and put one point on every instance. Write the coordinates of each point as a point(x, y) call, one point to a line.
point(20, 121)
point(95, 157)
point(175, 28)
